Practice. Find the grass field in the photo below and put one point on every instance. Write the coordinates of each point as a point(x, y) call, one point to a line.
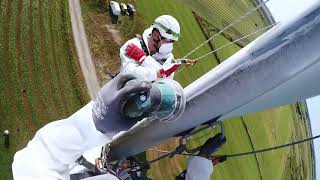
point(222, 13)
point(40, 77)
point(104, 50)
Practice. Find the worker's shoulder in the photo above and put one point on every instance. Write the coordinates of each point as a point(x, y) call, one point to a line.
point(134, 41)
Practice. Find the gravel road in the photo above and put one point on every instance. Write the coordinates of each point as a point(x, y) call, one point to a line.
point(81, 42)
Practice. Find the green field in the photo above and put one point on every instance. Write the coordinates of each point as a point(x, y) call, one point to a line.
point(222, 13)
point(40, 77)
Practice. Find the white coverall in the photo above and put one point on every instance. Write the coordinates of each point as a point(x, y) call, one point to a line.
point(150, 66)
point(60, 143)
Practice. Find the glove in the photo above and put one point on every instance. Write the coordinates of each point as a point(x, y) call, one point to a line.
point(134, 52)
point(212, 145)
point(219, 159)
point(107, 108)
point(169, 67)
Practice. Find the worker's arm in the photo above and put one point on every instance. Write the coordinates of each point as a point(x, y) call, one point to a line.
point(60, 143)
point(142, 66)
point(199, 168)
point(169, 67)
point(57, 145)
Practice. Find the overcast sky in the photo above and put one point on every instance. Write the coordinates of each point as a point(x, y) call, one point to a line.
point(284, 10)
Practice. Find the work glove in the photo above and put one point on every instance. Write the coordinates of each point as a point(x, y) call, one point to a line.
point(212, 145)
point(169, 67)
point(107, 108)
point(219, 159)
point(134, 52)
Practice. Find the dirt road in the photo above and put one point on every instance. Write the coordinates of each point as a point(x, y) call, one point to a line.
point(81, 42)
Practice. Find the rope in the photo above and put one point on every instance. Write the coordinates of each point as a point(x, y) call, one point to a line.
point(250, 152)
point(198, 138)
point(232, 42)
point(163, 151)
point(157, 150)
point(273, 148)
point(239, 39)
point(209, 133)
point(161, 157)
point(182, 146)
point(241, 18)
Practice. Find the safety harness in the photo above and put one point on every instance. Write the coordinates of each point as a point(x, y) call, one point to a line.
point(143, 44)
point(145, 48)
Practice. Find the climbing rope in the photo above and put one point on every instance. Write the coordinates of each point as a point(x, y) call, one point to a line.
point(250, 152)
point(272, 148)
point(239, 39)
point(232, 42)
point(182, 148)
point(239, 19)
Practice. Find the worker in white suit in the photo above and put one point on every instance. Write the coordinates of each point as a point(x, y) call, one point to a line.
point(60, 143)
point(149, 57)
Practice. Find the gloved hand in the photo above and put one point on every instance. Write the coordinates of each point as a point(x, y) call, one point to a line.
point(212, 145)
point(134, 52)
point(169, 67)
point(219, 159)
point(107, 108)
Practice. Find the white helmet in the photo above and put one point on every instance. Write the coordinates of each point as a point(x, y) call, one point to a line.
point(168, 27)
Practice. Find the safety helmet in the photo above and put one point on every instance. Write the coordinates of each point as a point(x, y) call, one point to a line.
point(168, 27)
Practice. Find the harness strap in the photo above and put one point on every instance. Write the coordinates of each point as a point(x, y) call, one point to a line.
point(143, 44)
point(145, 49)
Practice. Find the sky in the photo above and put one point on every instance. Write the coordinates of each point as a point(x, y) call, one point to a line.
point(314, 113)
point(285, 10)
